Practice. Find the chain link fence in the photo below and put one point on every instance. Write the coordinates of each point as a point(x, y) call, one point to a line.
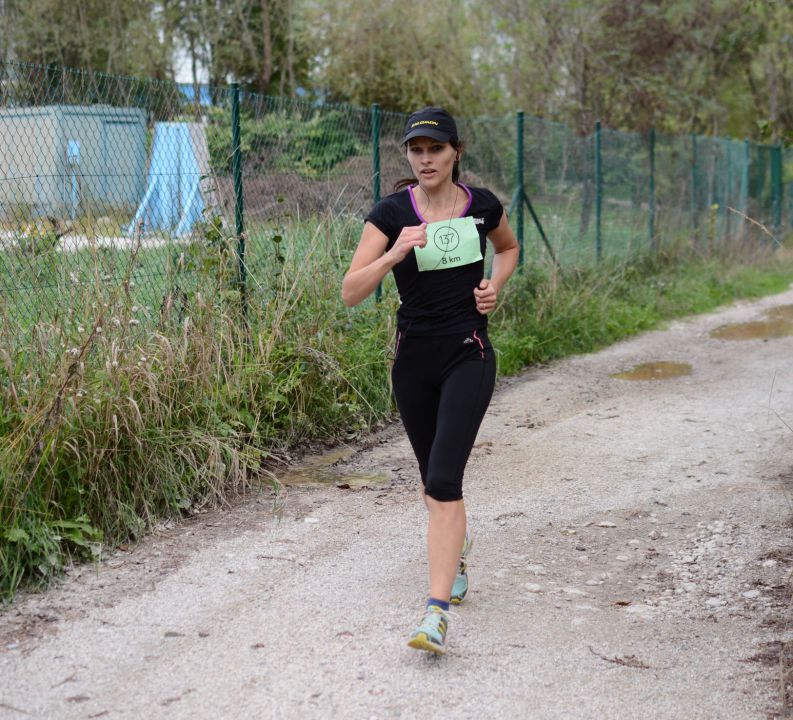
point(96, 168)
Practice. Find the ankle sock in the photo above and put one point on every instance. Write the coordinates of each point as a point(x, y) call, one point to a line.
point(438, 603)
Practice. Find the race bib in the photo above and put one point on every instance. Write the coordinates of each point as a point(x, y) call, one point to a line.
point(450, 243)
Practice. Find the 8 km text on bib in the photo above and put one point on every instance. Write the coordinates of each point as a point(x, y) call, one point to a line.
point(450, 243)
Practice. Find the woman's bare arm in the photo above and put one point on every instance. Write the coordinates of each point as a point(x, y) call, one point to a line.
point(371, 263)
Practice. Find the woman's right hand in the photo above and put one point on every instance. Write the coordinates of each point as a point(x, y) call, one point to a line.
point(411, 237)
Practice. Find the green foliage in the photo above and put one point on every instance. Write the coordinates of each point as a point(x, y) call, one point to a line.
point(400, 56)
point(114, 36)
point(310, 147)
point(37, 238)
point(718, 67)
point(37, 547)
point(101, 433)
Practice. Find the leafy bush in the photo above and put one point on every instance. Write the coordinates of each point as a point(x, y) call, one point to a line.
point(310, 147)
point(37, 238)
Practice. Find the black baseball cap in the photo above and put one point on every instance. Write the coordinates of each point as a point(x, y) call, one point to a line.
point(432, 122)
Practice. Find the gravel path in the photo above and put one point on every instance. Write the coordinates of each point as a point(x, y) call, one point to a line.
point(633, 549)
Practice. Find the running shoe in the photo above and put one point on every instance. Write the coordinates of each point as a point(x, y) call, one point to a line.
point(430, 635)
point(460, 587)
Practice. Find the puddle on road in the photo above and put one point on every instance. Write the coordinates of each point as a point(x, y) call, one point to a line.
point(661, 370)
point(783, 311)
point(778, 323)
point(318, 471)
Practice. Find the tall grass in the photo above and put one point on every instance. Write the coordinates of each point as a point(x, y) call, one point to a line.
point(113, 415)
point(110, 418)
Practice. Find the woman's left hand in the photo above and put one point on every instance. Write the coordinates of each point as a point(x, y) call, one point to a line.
point(486, 295)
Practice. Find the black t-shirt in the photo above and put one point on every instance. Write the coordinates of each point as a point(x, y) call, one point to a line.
point(437, 301)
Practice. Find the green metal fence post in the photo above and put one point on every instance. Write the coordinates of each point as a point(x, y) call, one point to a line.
point(694, 188)
point(651, 219)
point(378, 293)
point(236, 168)
point(598, 195)
point(744, 192)
point(376, 152)
point(520, 197)
point(520, 191)
point(776, 187)
point(728, 186)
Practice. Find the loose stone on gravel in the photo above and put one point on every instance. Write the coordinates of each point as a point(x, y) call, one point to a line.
point(573, 591)
point(641, 610)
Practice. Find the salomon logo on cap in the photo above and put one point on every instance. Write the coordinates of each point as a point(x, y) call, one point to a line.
point(431, 122)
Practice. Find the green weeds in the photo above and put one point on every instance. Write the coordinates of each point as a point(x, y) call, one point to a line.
point(114, 414)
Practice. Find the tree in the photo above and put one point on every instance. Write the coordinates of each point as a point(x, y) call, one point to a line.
point(633, 64)
point(113, 36)
point(400, 55)
point(769, 74)
point(255, 42)
point(713, 66)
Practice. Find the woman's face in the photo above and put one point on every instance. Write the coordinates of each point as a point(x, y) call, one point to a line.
point(431, 160)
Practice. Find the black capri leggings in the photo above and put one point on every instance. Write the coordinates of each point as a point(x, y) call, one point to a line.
point(443, 385)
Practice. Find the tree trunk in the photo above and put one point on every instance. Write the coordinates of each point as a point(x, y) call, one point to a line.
point(587, 191)
point(267, 39)
point(773, 98)
point(5, 31)
point(194, 71)
point(290, 48)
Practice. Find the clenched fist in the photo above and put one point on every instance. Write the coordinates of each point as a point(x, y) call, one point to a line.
point(411, 237)
point(486, 295)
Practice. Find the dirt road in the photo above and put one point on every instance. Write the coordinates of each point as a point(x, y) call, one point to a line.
point(633, 545)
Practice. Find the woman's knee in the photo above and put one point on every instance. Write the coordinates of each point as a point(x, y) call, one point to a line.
point(443, 490)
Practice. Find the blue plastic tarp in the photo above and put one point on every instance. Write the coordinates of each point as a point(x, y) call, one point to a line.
point(173, 201)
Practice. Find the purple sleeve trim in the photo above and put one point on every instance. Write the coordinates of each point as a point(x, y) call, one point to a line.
point(470, 199)
point(415, 207)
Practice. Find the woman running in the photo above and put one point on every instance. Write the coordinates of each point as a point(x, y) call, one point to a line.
point(432, 234)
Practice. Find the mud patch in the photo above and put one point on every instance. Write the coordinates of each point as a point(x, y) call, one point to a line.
point(778, 323)
point(661, 370)
point(323, 471)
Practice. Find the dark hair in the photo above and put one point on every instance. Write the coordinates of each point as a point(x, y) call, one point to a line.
point(458, 145)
